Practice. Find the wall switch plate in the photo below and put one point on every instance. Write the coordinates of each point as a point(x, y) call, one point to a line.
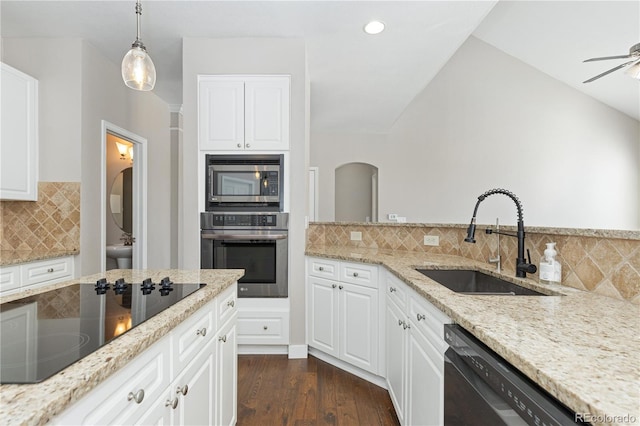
point(356, 236)
point(392, 216)
point(431, 240)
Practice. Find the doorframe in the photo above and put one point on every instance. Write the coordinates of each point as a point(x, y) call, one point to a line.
point(139, 223)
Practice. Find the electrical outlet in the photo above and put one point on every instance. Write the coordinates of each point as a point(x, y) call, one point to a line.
point(356, 236)
point(392, 216)
point(431, 240)
point(401, 219)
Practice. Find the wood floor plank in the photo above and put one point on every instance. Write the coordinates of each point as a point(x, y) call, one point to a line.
point(275, 390)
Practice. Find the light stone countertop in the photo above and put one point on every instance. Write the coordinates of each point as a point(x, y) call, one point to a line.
point(15, 257)
point(582, 348)
point(36, 404)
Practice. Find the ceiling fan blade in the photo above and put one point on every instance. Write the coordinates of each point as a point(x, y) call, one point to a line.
point(605, 58)
point(608, 72)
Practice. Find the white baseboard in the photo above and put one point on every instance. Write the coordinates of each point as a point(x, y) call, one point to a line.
point(365, 375)
point(297, 351)
point(262, 350)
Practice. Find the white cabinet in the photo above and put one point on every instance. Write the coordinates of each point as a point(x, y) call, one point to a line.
point(243, 112)
point(30, 275)
point(18, 135)
point(262, 322)
point(343, 315)
point(414, 355)
point(187, 378)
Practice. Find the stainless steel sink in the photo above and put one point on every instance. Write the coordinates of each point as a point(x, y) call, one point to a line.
point(474, 282)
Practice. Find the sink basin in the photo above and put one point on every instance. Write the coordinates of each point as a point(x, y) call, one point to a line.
point(474, 282)
point(122, 254)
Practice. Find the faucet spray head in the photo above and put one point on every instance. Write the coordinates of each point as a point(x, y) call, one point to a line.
point(471, 231)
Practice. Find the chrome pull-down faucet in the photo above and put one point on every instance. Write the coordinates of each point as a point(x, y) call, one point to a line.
point(522, 265)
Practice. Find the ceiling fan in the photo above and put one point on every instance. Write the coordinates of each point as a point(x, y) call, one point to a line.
point(634, 71)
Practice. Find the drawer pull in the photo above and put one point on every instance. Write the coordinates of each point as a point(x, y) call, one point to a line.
point(137, 397)
point(223, 339)
point(50, 270)
point(202, 332)
point(248, 145)
point(340, 287)
point(405, 325)
point(400, 322)
point(231, 303)
point(392, 289)
point(173, 403)
point(265, 327)
point(321, 268)
point(333, 286)
point(239, 145)
point(355, 274)
point(182, 390)
point(420, 317)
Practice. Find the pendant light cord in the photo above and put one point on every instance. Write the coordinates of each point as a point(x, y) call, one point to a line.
point(138, 13)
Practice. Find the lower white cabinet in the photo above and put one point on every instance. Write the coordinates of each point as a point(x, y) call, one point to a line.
point(342, 316)
point(414, 355)
point(161, 387)
point(263, 322)
point(15, 278)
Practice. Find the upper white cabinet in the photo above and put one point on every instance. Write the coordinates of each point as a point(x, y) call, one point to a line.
point(18, 135)
point(243, 113)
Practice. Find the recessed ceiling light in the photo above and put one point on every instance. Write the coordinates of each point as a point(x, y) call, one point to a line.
point(374, 27)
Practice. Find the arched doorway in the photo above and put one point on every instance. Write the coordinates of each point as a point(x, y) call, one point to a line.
point(356, 193)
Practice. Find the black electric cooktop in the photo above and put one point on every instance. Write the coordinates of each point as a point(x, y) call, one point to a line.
point(44, 333)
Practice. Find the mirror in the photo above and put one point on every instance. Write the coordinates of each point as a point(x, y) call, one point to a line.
point(121, 199)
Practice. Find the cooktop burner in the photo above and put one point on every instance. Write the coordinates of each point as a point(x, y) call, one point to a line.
point(44, 333)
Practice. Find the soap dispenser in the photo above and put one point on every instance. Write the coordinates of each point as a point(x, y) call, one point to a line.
point(550, 268)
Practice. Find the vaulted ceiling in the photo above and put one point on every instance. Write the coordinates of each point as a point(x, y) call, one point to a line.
point(359, 82)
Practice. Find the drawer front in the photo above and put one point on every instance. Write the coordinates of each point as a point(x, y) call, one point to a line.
point(359, 273)
point(9, 278)
point(271, 328)
point(227, 304)
point(323, 268)
point(47, 271)
point(192, 335)
point(114, 401)
point(428, 319)
point(396, 290)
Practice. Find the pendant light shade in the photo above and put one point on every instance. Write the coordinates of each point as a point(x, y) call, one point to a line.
point(634, 70)
point(138, 71)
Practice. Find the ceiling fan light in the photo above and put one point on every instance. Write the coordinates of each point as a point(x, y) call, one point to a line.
point(138, 71)
point(634, 70)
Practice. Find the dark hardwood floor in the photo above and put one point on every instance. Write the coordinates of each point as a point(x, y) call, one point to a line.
point(275, 390)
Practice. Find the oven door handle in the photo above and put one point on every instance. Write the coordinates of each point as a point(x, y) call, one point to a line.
point(244, 237)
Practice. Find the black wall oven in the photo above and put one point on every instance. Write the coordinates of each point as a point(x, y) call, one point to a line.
point(244, 183)
point(255, 242)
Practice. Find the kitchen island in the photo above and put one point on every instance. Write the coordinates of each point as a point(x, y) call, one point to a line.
point(582, 348)
point(39, 403)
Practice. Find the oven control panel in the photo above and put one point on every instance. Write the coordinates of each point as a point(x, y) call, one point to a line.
point(244, 220)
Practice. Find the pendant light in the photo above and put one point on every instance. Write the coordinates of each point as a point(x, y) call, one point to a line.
point(138, 71)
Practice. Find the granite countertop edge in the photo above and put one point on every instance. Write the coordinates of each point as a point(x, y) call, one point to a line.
point(16, 257)
point(38, 403)
point(598, 373)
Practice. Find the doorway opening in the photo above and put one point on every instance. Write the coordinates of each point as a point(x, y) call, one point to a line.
point(356, 193)
point(124, 199)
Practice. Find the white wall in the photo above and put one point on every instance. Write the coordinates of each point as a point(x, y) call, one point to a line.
point(248, 56)
point(78, 89)
point(488, 120)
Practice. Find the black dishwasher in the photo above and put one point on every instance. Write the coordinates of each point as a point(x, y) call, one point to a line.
point(481, 388)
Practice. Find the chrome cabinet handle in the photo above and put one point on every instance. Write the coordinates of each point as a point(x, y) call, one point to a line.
point(231, 303)
point(405, 325)
point(355, 274)
point(137, 397)
point(340, 287)
point(248, 145)
point(223, 339)
point(182, 390)
point(420, 317)
point(400, 322)
point(333, 286)
point(50, 270)
point(392, 289)
point(321, 268)
point(173, 403)
point(202, 332)
point(239, 145)
point(265, 327)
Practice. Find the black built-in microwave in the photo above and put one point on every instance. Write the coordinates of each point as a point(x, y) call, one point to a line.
point(244, 182)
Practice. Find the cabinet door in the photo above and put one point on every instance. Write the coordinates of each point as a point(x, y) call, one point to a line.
point(322, 315)
point(18, 136)
point(195, 390)
point(395, 354)
point(358, 326)
point(267, 113)
point(425, 382)
point(221, 114)
point(227, 375)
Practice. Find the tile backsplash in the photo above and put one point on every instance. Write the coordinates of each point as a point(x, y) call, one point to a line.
point(51, 223)
point(605, 265)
